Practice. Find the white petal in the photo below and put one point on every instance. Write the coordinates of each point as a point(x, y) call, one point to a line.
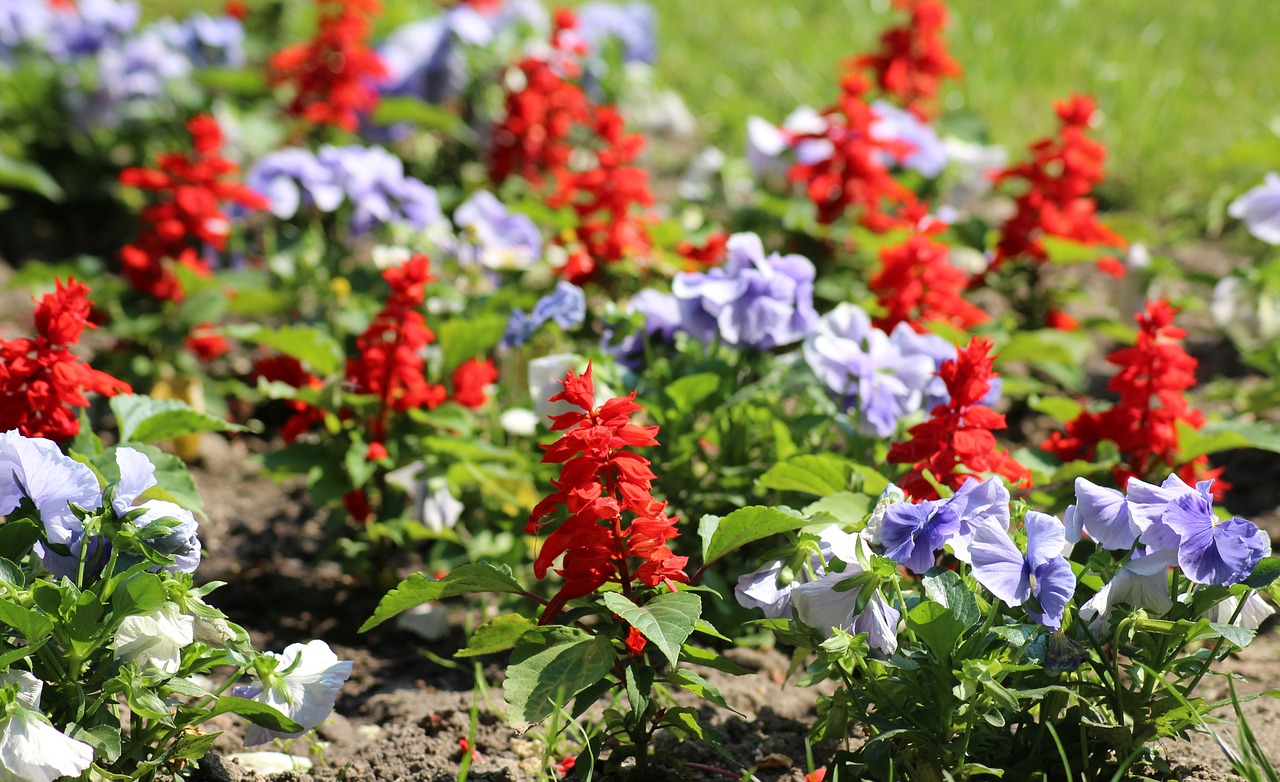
point(34, 751)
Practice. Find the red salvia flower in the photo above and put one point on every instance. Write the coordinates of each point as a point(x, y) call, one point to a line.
point(41, 379)
point(237, 9)
point(1143, 423)
point(334, 74)
point(913, 59)
point(206, 343)
point(1055, 202)
point(712, 252)
point(599, 483)
point(187, 215)
point(917, 284)
point(856, 173)
point(469, 381)
point(956, 441)
point(636, 642)
point(288, 370)
point(389, 362)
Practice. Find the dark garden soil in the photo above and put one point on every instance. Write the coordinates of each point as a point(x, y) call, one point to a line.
point(401, 716)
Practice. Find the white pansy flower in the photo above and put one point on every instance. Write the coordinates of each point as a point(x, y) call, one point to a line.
point(32, 750)
point(303, 686)
point(1255, 611)
point(1142, 582)
point(545, 374)
point(155, 640)
point(440, 509)
point(519, 421)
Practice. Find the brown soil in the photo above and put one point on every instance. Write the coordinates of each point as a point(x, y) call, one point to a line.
point(401, 716)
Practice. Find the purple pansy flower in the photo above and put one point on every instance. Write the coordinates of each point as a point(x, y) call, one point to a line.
point(1259, 208)
point(914, 532)
point(1103, 514)
point(1043, 572)
point(495, 237)
point(753, 300)
point(93, 26)
point(927, 156)
point(769, 147)
point(760, 588)
point(34, 469)
point(424, 58)
point(565, 306)
point(1212, 551)
point(820, 606)
point(976, 502)
point(863, 368)
point(631, 24)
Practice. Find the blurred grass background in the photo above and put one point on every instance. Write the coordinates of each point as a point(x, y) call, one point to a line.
point(1189, 89)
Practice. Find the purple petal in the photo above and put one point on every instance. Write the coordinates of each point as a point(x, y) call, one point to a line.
point(998, 565)
point(137, 474)
point(1104, 515)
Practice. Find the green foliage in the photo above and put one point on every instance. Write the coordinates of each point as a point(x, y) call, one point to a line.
point(549, 666)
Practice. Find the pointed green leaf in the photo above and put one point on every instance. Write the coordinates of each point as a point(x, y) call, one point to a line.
point(667, 620)
point(818, 473)
point(32, 624)
point(497, 635)
point(744, 526)
point(258, 713)
point(1265, 572)
point(549, 666)
point(418, 589)
point(145, 420)
point(313, 347)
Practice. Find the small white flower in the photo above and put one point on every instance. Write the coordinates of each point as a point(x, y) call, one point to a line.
point(1251, 616)
point(306, 691)
point(1142, 582)
point(32, 750)
point(440, 509)
point(155, 640)
point(519, 421)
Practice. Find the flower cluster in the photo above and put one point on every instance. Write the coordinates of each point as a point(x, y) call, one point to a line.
point(1172, 517)
point(752, 300)
point(426, 59)
point(605, 194)
point(370, 179)
point(333, 74)
point(41, 379)
point(552, 127)
point(599, 482)
point(1143, 423)
point(66, 34)
point(1056, 200)
point(917, 284)
point(913, 58)
point(103, 549)
point(956, 441)
point(188, 215)
point(885, 376)
point(854, 172)
point(533, 139)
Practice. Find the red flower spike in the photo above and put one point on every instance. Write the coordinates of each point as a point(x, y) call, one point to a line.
point(956, 441)
point(469, 382)
point(333, 75)
point(913, 58)
point(1153, 374)
point(187, 215)
point(1056, 202)
point(288, 370)
point(206, 343)
point(855, 174)
point(41, 379)
point(712, 252)
point(600, 482)
point(917, 284)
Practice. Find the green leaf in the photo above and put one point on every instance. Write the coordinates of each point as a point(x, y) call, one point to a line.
point(462, 339)
point(1059, 408)
point(394, 109)
point(744, 526)
point(697, 685)
point(139, 594)
point(497, 635)
point(32, 624)
point(548, 667)
point(935, 625)
point(144, 419)
point(1257, 434)
point(821, 474)
point(24, 175)
point(10, 573)
point(846, 507)
point(687, 392)
point(1264, 573)
point(258, 713)
point(313, 347)
point(193, 746)
point(105, 739)
point(946, 588)
point(711, 659)
point(17, 538)
point(666, 620)
point(1045, 346)
point(418, 589)
point(244, 82)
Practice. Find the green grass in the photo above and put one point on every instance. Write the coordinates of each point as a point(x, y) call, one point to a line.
point(1188, 88)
